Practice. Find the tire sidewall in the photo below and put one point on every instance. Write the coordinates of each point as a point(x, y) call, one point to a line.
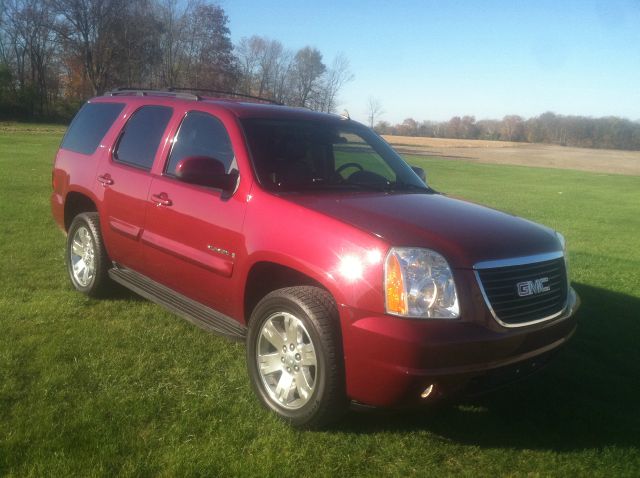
point(262, 312)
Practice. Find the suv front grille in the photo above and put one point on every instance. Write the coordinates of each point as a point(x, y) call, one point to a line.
point(522, 294)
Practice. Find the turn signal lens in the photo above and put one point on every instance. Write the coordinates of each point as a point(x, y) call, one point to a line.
point(394, 287)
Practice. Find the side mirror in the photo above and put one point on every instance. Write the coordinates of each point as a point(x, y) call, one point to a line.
point(206, 171)
point(420, 172)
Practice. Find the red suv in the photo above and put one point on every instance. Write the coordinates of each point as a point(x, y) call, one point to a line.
point(305, 235)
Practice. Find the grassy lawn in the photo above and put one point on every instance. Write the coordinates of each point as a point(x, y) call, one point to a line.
point(122, 387)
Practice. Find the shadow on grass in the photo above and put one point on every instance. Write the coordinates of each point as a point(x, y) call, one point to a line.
point(589, 397)
point(118, 292)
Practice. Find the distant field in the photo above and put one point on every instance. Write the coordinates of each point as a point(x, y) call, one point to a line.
point(524, 154)
point(121, 387)
point(29, 128)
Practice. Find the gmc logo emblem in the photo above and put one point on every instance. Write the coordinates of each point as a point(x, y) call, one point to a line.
point(532, 287)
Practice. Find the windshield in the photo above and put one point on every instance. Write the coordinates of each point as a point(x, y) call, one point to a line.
point(295, 155)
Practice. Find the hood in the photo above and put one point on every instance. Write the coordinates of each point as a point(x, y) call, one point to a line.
point(464, 233)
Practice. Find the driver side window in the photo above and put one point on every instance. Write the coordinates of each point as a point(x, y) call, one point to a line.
point(200, 135)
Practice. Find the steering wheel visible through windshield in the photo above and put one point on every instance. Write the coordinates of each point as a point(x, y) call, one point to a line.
point(304, 155)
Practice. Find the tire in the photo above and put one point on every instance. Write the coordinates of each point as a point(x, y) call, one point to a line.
point(294, 356)
point(86, 257)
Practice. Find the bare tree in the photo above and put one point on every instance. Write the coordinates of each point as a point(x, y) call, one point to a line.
point(281, 72)
point(171, 41)
point(88, 27)
point(137, 59)
point(28, 29)
point(512, 128)
point(248, 52)
point(333, 81)
point(306, 75)
point(374, 110)
point(264, 65)
point(210, 62)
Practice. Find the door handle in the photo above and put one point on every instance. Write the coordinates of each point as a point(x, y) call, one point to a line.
point(161, 199)
point(105, 180)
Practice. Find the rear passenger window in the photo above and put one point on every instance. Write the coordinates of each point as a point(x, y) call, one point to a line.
point(201, 134)
point(89, 126)
point(141, 136)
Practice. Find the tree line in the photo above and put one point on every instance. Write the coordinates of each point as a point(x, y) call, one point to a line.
point(54, 54)
point(609, 132)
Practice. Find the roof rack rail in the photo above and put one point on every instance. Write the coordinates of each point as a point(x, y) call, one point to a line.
point(146, 92)
point(229, 93)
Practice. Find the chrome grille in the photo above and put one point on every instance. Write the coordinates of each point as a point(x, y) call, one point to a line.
point(518, 295)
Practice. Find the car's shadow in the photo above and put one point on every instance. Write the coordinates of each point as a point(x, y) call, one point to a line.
point(119, 292)
point(588, 398)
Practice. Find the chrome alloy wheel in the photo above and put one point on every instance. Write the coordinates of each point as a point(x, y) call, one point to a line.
point(82, 254)
point(286, 360)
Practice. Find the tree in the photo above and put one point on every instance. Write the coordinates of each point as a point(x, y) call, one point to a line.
point(210, 62)
point(87, 28)
point(468, 127)
point(374, 110)
point(332, 82)
point(512, 128)
point(409, 127)
point(454, 127)
point(138, 57)
point(306, 73)
point(383, 127)
point(263, 66)
point(28, 30)
point(171, 41)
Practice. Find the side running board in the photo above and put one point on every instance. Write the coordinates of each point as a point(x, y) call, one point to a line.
point(196, 313)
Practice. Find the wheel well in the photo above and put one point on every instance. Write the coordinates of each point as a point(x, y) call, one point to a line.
point(74, 204)
point(265, 277)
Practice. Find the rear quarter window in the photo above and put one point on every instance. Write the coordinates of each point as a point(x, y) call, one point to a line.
point(89, 126)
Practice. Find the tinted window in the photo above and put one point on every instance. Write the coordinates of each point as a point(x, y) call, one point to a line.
point(90, 125)
point(201, 134)
point(312, 155)
point(141, 137)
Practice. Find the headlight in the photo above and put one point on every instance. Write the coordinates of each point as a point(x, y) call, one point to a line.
point(419, 283)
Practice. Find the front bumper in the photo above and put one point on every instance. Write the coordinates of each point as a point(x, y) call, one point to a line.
point(389, 361)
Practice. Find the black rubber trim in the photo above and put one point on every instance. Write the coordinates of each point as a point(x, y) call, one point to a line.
point(195, 312)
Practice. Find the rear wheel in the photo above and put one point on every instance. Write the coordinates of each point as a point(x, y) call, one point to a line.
point(294, 356)
point(86, 257)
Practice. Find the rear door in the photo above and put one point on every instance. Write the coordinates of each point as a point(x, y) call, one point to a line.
point(192, 237)
point(125, 177)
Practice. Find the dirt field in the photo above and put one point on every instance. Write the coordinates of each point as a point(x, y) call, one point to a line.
point(524, 154)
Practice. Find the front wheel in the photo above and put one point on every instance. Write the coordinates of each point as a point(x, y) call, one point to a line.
point(294, 356)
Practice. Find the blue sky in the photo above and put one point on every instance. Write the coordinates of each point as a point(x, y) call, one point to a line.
point(436, 59)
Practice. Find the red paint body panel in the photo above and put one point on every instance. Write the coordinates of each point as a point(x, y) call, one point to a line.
point(177, 241)
point(204, 244)
point(463, 232)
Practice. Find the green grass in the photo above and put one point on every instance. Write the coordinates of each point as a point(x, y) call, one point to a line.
point(122, 387)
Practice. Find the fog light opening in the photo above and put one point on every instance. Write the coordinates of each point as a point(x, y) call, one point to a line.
point(428, 391)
